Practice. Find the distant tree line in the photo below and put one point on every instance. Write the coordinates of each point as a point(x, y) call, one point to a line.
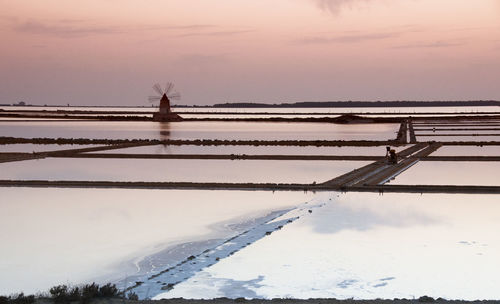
point(360, 104)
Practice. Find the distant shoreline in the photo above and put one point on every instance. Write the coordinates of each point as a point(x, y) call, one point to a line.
point(363, 104)
point(306, 104)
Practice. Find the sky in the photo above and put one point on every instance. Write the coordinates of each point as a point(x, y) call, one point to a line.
point(110, 52)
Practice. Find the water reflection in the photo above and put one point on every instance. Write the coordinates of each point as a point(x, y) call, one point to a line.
point(164, 131)
point(58, 236)
point(339, 216)
point(467, 151)
point(429, 245)
point(178, 170)
point(477, 173)
point(257, 150)
point(198, 130)
point(29, 148)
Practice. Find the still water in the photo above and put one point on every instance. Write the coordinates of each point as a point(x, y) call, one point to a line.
point(198, 130)
point(394, 110)
point(360, 245)
point(475, 173)
point(458, 138)
point(467, 151)
point(177, 170)
point(61, 236)
point(28, 148)
point(254, 150)
point(367, 246)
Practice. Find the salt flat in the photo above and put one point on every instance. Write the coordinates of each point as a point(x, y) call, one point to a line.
point(60, 236)
point(367, 246)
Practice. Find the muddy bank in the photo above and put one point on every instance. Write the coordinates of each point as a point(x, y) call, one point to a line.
point(220, 156)
point(276, 301)
point(253, 186)
point(201, 142)
point(342, 119)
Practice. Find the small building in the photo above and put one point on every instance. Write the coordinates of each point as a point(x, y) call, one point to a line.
point(165, 112)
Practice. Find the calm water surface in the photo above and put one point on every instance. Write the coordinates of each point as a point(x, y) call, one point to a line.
point(61, 236)
point(254, 150)
point(177, 170)
point(467, 151)
point(458, 138)
point(199, 130)
point(450, 173)
point(27, 148)
point(275, 110)
point(368, 246)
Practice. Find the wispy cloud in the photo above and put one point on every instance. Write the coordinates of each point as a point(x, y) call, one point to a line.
point(202, 59)
point(63, 30)
point(75, 28)
point(215, 33)
point(436, 44)
point(335, 6)
point(352, 38)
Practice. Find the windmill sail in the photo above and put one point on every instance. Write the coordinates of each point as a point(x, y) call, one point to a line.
point(164, 95)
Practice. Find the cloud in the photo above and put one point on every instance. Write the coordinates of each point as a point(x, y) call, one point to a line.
point(73, 28)
point(76, 28)
point(335, 6)
point(337, 217)
point(189, 27)
point(63, 30)
point(437, 44)
point(215, 33)
point(352, 38)
point(202, 59)
point(7, 18)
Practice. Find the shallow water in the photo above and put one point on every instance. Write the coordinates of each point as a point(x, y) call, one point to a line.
point(450, 173)
point(275, 110)
point(443, 128)
point(254, 150)
point(178, 170)
point(477, 130)
point(199, 130)
point(458, 138)
point(27, 148)
point(61, 236)
point(367, 246)
point(467, 151)
point(360, 245)
point(457, 132)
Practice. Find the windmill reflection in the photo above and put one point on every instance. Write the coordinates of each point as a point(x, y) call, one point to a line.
point(164, 129)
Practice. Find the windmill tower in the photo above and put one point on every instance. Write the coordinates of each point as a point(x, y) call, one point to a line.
point(164, 96)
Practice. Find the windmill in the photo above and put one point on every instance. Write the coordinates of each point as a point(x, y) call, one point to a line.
point(164, 96)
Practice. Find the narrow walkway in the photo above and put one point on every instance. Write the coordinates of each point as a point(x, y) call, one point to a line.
point(222, 156)
point(250, 186)
point(380, 172)
point(403, 133)
point(359, 175)
point(393, 170)
point(413, 138)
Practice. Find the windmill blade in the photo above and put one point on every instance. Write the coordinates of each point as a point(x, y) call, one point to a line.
point(158, 89)
point(154, 98)
point(174, 96)
point(169, 87)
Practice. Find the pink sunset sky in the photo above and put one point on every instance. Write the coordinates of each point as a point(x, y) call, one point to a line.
point(110, 52)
